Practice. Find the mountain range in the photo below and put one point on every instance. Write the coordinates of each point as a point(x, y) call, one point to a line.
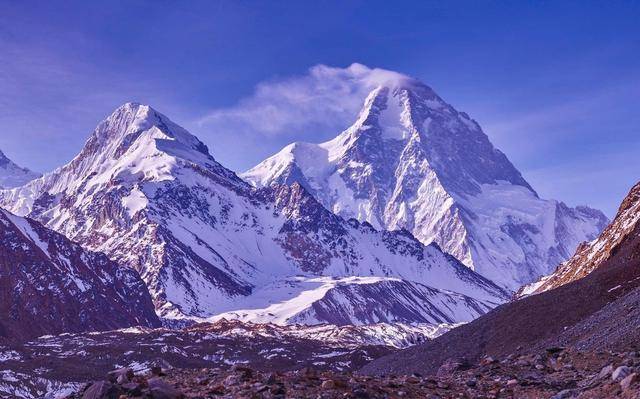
point(149, 195)
point(394, 248)
point(570, 340)
point(410, 215)
point(411, 161)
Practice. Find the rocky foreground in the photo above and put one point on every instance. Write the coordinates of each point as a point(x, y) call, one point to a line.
point(555, 373)
point(50, 366)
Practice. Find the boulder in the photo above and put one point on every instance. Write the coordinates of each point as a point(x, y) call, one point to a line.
point(606, 371)
point(621, 373)
point(628, 381)
point(102, 390)
point(120, 376)
point(159, 389)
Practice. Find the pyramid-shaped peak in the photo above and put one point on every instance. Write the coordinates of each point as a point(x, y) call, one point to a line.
point(129, 117)
point(138, 111)
point(132, 121)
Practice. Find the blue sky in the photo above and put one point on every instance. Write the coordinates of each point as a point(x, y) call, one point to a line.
point(555, 85)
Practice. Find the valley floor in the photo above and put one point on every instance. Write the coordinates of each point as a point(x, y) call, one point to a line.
point(555, 373)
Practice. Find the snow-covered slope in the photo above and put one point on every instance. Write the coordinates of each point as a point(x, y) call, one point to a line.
point(147, 193)
point(590, 256)
point(12, 175)
point(50, 285)
point(356, 300)
point(412, 161)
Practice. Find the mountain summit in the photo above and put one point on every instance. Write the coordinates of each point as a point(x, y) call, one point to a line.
point(411, 161)
point(149, 195)
point(12, 175)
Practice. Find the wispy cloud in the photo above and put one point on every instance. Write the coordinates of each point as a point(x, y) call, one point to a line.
point(326, 97)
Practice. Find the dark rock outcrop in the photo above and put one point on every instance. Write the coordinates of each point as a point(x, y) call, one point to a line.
point(50, 285)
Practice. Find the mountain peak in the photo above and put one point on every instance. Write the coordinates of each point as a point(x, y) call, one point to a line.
point(134, 145)
point(401, 116)
point(137, 130)
point(411, 160)
point(12, 175)
point(128, 119)
point(131, 112)
point(378, 77)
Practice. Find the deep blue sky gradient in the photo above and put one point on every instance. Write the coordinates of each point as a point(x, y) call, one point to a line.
point(555, 85)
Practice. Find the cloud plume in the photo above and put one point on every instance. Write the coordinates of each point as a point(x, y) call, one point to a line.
point(326, 98)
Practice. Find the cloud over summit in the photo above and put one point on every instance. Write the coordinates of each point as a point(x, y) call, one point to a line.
point(326, 98)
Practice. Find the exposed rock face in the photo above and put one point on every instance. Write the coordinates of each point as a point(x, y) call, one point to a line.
point(50, 285)
point(411, 161)
point(590, 256)
point(12, 175)
point(147, 193)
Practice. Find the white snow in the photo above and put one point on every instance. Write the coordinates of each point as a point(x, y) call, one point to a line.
point(397, 110)
point(614, 288)
point(291, 297)
point(7, 354)
point(135, 202)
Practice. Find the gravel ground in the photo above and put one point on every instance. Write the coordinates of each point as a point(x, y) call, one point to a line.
point(554, 373)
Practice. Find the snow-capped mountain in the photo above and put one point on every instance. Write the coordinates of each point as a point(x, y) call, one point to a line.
point(50, 285)
point(589, 256)
point(412, 161)
point(12, 175)
point(147, 193)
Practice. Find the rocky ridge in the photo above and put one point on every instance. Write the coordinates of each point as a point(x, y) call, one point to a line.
point(50, 285)
point(590, 256)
